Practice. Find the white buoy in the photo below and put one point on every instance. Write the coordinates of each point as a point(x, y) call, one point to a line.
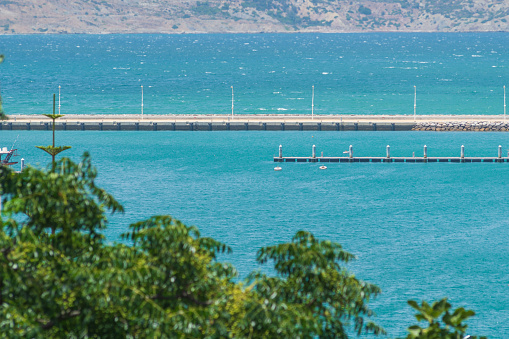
point(280, 151)
point(323, 167)
point(425, 151)
point(462, 151)
point(277, 168)
point(388, 151)
point(314, 152)
point(499, 151)
point(350, 151)
point(22, 163)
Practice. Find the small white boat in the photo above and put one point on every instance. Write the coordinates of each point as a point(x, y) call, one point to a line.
point(323, 167)
point(277, 168)
point(8, 154)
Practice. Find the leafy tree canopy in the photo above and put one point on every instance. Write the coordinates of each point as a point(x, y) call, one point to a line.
point(59, 278)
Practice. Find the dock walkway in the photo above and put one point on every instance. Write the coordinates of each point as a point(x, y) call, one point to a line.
point(394, 159)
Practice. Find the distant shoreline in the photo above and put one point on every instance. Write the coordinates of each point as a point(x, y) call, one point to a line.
point(255, 32)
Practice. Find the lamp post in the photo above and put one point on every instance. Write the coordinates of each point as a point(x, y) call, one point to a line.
point(59, 99)
point(415, 101)
point(313, 102)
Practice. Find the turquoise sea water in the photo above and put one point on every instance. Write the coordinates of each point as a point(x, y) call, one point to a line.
point(271, 73)
point(420, 231)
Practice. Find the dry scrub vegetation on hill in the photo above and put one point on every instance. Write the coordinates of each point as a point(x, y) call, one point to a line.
point(176, 16)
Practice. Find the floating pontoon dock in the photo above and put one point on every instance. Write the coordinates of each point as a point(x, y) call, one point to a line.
point(388, 158)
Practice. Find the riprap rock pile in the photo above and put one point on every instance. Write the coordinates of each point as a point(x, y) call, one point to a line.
point(478, 126)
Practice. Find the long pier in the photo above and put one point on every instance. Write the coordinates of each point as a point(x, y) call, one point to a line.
point(388, 158)
point(394, 159)
point(257, 122)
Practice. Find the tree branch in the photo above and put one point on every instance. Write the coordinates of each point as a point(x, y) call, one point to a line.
point(64, 316)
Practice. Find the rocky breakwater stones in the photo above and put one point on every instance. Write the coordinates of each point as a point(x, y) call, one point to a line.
point(477, 126)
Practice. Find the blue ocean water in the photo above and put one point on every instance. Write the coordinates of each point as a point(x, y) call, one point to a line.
point(271, 73)
point(420, 231)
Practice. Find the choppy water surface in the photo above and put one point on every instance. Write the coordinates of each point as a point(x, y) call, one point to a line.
point(420, 231)
point(271, 73)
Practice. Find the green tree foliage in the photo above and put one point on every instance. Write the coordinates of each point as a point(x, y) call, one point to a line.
point(364, 10)
point(60, 279)
point(441, 322)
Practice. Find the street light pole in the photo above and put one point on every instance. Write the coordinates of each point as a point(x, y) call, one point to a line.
point(504, 103)
point(415, 101)
point(313, 102)
point(58, 99)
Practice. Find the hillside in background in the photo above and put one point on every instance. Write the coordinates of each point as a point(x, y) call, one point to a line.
point(190, 16)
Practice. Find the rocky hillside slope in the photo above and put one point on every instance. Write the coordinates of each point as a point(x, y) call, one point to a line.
point(191, 16)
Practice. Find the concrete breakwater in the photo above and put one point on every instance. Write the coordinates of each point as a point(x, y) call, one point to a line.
point(477, 126)
point(255, 122)
point(206, 126)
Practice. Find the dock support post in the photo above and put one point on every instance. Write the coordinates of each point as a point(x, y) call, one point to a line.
point(462, 152)
point(388, 151)
point(499, 151)
point(22, 163)
point(350, 152)
point(280, 151)
point(314, 151)
point(425, 156)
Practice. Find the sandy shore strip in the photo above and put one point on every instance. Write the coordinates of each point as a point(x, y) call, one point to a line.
point(268, 118)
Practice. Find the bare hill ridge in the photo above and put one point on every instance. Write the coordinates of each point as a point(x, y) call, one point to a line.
point(190, 16)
